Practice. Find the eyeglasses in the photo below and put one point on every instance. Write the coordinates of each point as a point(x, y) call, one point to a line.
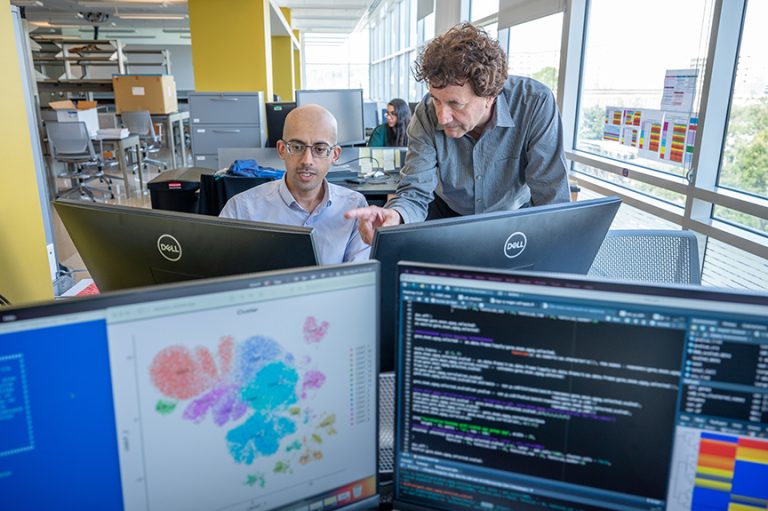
point(391, 114)
point(319, 150)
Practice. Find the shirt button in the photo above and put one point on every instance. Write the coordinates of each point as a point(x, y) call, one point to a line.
point(478, 201)
point(478, 177)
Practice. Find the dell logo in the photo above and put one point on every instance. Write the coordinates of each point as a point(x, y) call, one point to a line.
point(169, 247)
point(515, 245)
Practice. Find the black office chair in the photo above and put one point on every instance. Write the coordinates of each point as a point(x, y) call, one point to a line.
point(71, 144)
point(140, 123)
point(664, 256)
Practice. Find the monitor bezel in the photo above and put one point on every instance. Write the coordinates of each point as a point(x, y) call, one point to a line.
point(88, 208)
point(343, 143)
point(39, 310)
point(415, 228)
point(551, 280)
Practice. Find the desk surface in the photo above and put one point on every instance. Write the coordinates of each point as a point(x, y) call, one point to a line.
point(353, 162)
point(110, 138)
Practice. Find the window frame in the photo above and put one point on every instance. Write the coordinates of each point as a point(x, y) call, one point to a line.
point(701, 191)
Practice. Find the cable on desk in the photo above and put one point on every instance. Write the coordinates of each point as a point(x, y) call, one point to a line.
point(378, 165)
point(4, 301)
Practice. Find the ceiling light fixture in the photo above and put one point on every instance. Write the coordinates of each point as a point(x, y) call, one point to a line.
point(50, 24)
point(155, 2)
point(114, 30)
point(152, 16)
point(122, 3)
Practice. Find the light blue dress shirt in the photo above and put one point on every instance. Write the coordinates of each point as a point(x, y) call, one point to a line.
point(336, 238)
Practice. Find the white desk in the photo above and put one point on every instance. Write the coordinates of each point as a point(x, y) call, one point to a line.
point(124, 144)
point(174, 119)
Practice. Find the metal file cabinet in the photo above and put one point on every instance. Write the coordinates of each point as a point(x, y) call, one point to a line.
point(225, 119)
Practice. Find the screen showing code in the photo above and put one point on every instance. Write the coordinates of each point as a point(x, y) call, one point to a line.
point(570, 401)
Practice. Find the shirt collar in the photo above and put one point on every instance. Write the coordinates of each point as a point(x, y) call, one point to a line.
point(502, 114)
point(290, 201)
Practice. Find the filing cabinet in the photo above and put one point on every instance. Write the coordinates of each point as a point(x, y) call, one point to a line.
point(225, 119)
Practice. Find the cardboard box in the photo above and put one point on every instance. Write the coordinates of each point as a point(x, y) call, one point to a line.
point(155, 93)
point(84, 111)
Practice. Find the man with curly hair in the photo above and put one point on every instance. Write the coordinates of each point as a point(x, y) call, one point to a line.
point(478, 142)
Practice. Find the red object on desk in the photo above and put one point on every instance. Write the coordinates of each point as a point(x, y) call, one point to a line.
point(91, 289)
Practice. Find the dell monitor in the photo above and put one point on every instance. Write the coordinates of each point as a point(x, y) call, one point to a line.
point(276, 113)
point(556, 238)
point(541, 392)
point(125, 247)
point(244, 392)
point(346, 105)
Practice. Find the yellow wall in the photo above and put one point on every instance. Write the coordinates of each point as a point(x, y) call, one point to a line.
point(282, 62)
point(282, 67)
point(231, 45)
point(24, 273)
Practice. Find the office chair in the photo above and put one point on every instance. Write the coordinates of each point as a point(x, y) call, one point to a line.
point(71, 144)
point(140, 123)
point(665, 256)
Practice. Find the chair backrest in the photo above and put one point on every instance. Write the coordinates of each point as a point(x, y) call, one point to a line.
point(70, 141)
point(666, 256)
point(139, 123)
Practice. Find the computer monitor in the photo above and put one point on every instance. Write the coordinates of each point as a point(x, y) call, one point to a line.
point(559, 238)
point(534, 391)
point(125, 247)
point(276, 113)
point(245, 392)
point(346, 105)
point(370, 115)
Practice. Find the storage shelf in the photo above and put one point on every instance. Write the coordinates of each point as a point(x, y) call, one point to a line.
point(66, 64)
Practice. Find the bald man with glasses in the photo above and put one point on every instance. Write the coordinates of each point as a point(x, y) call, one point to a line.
point(304, 197)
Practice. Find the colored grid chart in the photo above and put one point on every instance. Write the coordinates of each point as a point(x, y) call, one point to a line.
point(677, 147)
point(655, 137)
point(731, 474)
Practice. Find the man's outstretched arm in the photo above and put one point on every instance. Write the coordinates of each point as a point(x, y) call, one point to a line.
point(371, 217)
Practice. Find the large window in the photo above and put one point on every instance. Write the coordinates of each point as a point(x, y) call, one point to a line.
point(664, 103)
point(642, 72)
point(394, 40)
point(480, 9)
point(745, 155)
point(337, 61)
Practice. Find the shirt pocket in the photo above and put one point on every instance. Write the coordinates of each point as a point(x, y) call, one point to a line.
point(506, 165)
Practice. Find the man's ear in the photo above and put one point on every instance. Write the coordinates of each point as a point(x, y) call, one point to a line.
point(336, 154)
point(281, 149)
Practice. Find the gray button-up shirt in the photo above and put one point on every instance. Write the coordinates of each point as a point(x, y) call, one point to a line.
point(518, 159)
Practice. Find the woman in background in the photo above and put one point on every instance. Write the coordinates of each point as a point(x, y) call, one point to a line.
point(393, 132)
